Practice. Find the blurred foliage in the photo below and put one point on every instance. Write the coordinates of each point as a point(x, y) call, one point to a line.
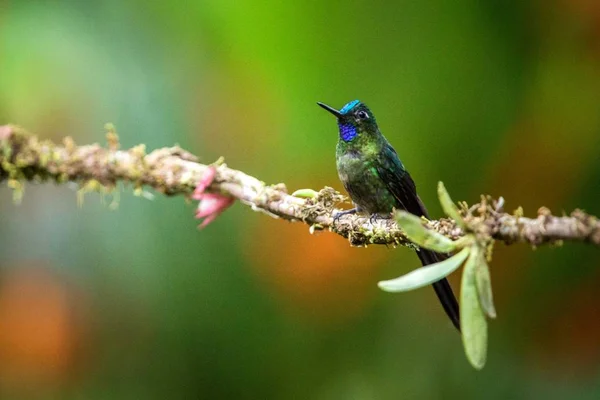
point(497, 97)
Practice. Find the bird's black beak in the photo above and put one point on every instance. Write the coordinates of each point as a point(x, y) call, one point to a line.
point(330, 109)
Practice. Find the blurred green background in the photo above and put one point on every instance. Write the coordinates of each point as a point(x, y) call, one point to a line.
point(497, 97)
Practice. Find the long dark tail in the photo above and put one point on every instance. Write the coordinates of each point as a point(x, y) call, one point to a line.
point(442, 288)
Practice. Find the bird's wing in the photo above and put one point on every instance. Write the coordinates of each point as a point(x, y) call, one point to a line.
point(402, 187)
point(399, 181)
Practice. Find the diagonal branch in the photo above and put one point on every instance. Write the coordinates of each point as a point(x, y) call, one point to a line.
point(174, 171)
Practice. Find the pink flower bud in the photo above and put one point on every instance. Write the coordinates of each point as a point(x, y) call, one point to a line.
point(211, 204)
point(205, 182)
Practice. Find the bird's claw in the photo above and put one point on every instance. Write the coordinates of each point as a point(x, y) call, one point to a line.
point(338, 215)
point(374, 217)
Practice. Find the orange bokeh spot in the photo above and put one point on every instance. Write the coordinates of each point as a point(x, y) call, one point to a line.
point(38, 337)
point(319, 276)
point(567, 344)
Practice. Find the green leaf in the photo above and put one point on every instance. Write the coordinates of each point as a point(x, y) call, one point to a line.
point(416, 232)
point(425, 275)
point(484, 286)
point(305, 193)
point(448, 205)
point(473, 324)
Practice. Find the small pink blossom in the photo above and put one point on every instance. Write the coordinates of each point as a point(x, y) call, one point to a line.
point(211, 204)
point(205, 181)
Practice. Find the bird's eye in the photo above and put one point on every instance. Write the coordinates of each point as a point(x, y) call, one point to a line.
point(362, 115)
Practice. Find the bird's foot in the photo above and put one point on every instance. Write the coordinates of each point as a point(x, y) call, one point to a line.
point(374, 217)
point(337, 216)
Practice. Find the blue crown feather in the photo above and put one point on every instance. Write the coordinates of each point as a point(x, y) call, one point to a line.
point(346, 109)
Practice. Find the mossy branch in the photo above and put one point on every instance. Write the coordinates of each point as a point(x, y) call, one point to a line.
point(174, 171)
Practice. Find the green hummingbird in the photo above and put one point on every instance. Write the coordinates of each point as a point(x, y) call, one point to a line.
point(378, 182)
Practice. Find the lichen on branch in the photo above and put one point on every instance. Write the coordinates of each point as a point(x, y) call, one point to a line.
point(173, 171)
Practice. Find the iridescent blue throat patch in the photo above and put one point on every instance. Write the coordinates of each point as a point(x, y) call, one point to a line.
point(347, 132)
point(349, 107)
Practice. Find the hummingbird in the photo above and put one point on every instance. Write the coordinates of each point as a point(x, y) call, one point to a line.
point(378, 183)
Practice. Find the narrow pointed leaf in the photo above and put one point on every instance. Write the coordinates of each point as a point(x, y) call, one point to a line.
point(448, 205)
point(473, 324)
point(484, 287)
point(425, 275)
point(306, 193)
point(416, 232)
